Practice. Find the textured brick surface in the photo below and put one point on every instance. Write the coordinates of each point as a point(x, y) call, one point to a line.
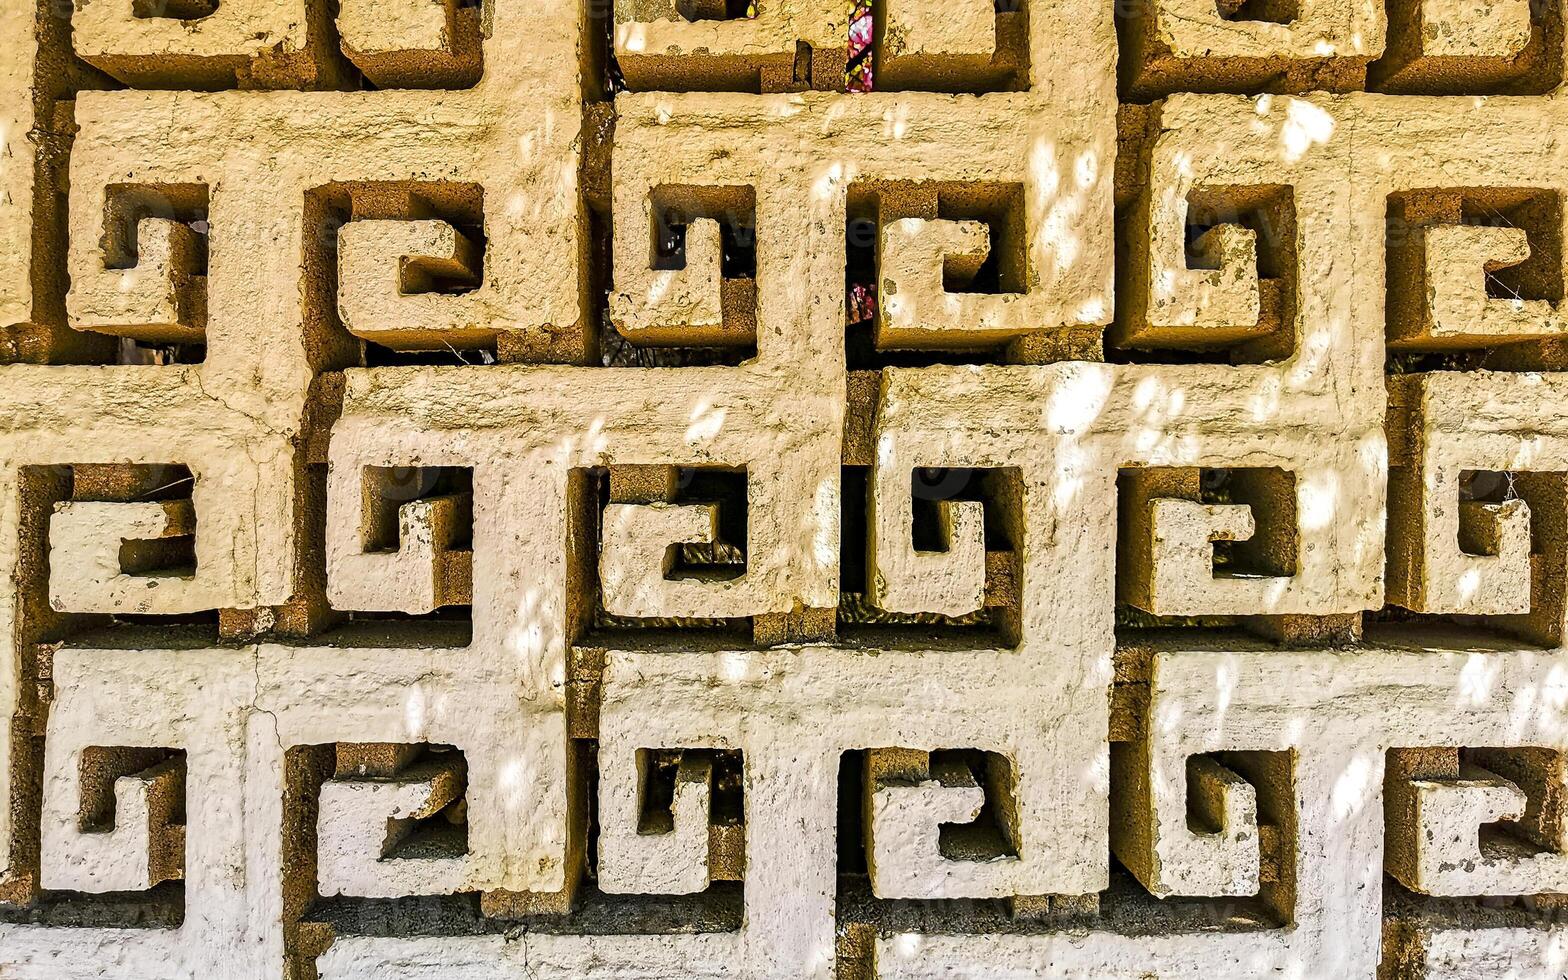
point(561, 490)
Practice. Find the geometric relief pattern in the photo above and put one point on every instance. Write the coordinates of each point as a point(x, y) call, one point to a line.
point(789, 489)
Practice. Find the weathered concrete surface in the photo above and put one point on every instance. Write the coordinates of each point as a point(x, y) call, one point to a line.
point(1191, 495)
point(17, 52)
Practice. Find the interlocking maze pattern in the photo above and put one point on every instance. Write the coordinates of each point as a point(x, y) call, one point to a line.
point(1239, 651)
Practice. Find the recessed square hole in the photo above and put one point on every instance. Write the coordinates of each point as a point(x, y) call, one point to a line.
point(388, 488)
point(127, 205)
point(1485, 487)
point(1267, 11)
point(999, 491)
point(1208, 777)
point(639, 329)
point(1539, 773)
point(1272, 776)
point(1270, 493)
point(1273, 550)
point(1470, 49)
point(160, 772)
point(442, 834)
point(725, 558)
point(975, 58)
point(734, 208)
point(659, 769)
point(173, 556)
point(453, 59)
point(1000, 207)
point(722, 490)
point(993, 834)
point(335, 208)
point(1413, 216)
point(931, 486)
point(102, 766)
point(1535, 772)
point(1269, 212)
point(696, 10)
point(173, 9)
point(1003, 269)
point(175, 216)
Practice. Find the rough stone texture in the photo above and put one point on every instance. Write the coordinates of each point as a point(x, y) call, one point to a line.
point(565, 490)
point(18, 49)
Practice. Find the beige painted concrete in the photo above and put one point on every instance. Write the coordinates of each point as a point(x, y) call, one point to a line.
point(388, 665)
